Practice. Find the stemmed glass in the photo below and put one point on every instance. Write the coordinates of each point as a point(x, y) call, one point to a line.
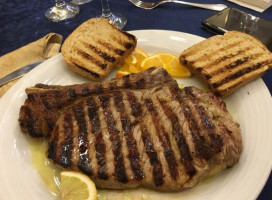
point(79, 2)
point(115, 19)
point(62, 11)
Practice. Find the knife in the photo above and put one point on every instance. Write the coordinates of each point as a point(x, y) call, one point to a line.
point(19, 72)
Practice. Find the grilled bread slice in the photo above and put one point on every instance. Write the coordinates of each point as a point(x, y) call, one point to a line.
point(227, 62)
point(95, 47)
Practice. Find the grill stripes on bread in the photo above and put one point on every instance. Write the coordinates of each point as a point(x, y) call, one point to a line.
point(228, 62)
point(95, 47)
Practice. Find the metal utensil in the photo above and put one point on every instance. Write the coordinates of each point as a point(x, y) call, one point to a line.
point(149, 6)
point(19, 72)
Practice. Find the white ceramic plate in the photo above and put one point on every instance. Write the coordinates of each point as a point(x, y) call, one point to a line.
point(251, 106)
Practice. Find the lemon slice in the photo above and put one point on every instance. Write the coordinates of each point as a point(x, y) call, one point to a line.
point(77, 186)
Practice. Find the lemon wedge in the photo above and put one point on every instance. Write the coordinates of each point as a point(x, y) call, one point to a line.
point(77, 186)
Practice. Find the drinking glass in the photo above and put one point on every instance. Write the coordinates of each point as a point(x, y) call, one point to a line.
point(79, 2)
point(62, 11)
point(115, 19)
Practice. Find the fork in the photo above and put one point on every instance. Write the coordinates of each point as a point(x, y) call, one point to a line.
point(149, 5)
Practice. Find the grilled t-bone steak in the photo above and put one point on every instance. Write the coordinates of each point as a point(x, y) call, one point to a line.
point(45, 103)
point(150, 133)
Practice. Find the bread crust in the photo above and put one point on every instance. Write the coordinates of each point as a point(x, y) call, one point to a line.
point(95, 47)
point(227, 62)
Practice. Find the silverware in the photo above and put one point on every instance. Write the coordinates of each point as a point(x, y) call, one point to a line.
point(149, 6)
point(19, 72)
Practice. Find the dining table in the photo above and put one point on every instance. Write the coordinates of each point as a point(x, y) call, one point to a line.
point(22, 22)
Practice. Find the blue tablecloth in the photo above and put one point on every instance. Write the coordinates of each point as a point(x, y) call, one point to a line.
point(22, 22)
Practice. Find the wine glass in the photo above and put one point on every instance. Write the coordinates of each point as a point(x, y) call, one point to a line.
point(115, 19)
point(80, 2)
point(62, 11)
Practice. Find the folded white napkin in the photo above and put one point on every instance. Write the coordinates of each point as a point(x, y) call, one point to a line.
point(257, 5)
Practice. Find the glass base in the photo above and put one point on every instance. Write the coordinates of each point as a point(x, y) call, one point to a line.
point(117, 20)
point(79, 2)
point(62, 12)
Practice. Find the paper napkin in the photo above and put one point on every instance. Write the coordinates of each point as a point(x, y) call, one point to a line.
point(46, 47)
point(257, 5)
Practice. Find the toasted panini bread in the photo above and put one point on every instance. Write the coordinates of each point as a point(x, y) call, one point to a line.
point(95, 47)
point(227, 62)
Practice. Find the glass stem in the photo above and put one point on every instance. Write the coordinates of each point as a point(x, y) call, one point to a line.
point(106, 13)
point(59, 3)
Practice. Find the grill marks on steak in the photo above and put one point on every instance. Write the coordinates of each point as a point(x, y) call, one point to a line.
point(185, 157)
point(99, 147)
point(131, 143)
point(197, 128)
point(83, 162)
point(163, 139)
point(139, 130)
point(160, 138)
point(114, 138)
point(45, 103)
